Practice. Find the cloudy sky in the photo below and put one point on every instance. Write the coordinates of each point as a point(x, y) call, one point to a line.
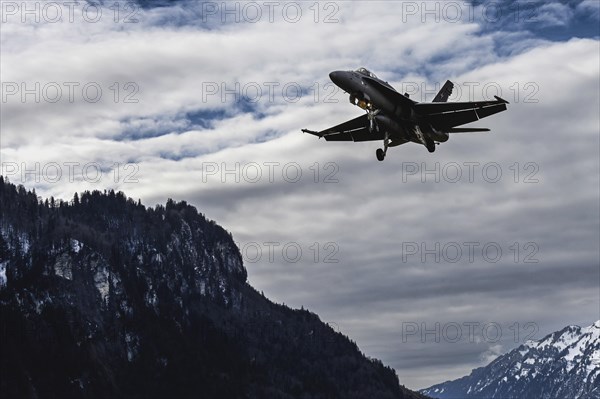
point(434, 263)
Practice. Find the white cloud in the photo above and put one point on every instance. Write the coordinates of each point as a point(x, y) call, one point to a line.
point(370, 211)
point(589, 7)
point(553, 14)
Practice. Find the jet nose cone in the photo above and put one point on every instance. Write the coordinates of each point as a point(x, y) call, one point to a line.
point(336, 77)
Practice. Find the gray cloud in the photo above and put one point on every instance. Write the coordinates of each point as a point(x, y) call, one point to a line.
point(367, 210)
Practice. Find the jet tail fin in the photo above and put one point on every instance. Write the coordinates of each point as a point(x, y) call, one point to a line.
point(444, 92)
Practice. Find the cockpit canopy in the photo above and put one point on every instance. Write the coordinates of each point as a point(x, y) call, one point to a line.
point(365, 71)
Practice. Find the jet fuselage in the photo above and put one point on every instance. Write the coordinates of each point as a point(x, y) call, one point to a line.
point(399, 119)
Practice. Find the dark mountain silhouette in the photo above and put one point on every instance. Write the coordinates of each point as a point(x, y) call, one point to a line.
point(103, 297)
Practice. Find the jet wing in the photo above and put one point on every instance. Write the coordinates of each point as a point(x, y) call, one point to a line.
point(448, 115)
point(468, 129)
point(356, 129)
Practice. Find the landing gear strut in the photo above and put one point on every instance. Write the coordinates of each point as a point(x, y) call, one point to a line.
point(373, 127)
point(381, 153)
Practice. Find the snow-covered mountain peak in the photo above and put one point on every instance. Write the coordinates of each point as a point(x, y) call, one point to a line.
point(594, 327)
point(563, 364)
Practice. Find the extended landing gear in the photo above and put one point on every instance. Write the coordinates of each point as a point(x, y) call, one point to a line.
point(430, 144)
point(380, 153)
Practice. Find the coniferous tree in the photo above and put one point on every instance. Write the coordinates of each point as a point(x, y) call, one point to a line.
point(106, 298)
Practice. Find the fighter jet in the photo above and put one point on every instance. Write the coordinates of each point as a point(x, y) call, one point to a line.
point(396, 119)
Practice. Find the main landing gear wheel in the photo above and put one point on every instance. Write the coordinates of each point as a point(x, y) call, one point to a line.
point(386, 143)
point(430, 146)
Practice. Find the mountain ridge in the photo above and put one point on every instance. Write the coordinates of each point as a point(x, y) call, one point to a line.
point(103, 297)
point(563, 364)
